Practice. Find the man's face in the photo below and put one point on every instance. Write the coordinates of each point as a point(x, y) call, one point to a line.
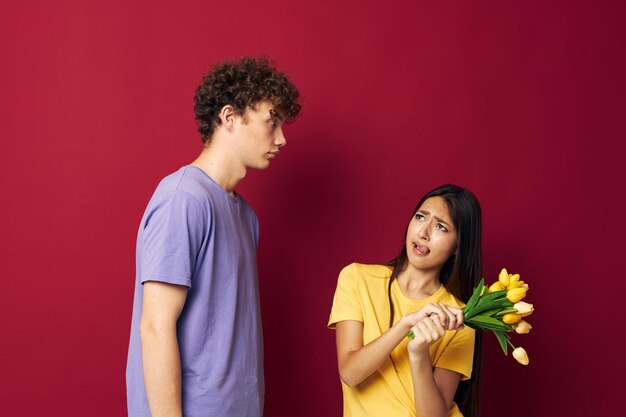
point(259, 135)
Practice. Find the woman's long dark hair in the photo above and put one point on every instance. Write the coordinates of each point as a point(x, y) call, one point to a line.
point(460, 274)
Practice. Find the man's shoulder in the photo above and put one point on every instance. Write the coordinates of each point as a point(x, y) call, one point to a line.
point(186, 181)
point(186, 178)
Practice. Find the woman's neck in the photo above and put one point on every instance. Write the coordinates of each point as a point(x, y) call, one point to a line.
point(417, 284)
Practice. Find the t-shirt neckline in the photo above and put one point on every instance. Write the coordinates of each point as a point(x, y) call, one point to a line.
point(432, 298)
point(234, 198)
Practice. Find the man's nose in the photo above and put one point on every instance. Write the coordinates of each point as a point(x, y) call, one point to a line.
point(279, 138)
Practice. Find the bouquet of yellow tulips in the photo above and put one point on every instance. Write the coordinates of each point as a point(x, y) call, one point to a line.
point(501, 310)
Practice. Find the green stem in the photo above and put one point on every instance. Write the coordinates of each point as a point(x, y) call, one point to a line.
point(510, 343)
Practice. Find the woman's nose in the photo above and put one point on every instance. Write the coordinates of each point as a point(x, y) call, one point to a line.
point(423, 232)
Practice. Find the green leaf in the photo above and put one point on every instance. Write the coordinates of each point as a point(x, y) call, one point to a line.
point(493, 296)
point(475, 295)
point(472, 325)
point(491, 313)
point(496, 304)
point(503, 339)
point(488, 322)
point(479, 304)
point(483, 307)
point(506, 311)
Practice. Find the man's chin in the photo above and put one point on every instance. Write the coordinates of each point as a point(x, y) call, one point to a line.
point(260, 166)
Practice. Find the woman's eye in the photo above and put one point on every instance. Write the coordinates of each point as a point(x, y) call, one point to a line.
point(419, 216)
point(441, 227)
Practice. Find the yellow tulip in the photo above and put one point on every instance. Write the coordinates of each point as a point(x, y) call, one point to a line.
point(504, 277)
point(511, 318)
point(524, 309)
point(496, 286)
point(525, 286)
point(523, 327)
point(521, 356)
point(515, 284)
point(513, 278)
point(516, 294)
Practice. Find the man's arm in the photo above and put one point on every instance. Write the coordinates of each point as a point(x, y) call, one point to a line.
point(162, 304)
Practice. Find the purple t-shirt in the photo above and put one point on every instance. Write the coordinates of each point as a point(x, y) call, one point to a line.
point(195, 234)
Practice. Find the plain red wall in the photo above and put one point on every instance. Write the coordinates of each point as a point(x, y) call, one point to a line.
point(522, 102)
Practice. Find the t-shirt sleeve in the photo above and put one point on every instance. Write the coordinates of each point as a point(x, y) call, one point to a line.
point(346, 304)
point(171, 238)
point(458, 356)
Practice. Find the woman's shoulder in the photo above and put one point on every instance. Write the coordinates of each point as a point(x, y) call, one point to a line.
point(367, 271)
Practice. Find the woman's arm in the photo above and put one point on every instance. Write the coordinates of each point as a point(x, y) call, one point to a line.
point(433, 391)
point(357, 362)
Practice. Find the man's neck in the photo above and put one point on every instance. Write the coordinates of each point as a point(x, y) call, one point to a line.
point(221, 166)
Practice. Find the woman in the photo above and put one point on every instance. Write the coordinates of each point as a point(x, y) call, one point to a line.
point(383, 372)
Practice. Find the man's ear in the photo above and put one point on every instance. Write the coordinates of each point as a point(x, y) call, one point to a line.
point(227, 116)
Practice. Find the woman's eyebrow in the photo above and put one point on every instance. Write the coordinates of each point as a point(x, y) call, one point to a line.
point(440, 220)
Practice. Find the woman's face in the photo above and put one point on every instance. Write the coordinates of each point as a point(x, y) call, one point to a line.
point(431, 237)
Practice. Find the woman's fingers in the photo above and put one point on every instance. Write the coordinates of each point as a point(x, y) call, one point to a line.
point(427, 332)
point(436, 319)
point(451, 317)
point(458, 318)
point(432, 327)
point(437, 309)
point(436, 327)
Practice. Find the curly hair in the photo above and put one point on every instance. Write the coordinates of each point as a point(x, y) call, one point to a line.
point(241, 84)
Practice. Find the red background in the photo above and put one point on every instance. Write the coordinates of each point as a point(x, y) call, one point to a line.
point(522, 102)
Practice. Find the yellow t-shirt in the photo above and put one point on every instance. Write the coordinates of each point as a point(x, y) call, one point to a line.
point(361, 295)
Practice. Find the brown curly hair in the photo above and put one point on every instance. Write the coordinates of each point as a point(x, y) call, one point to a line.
point(241, 84)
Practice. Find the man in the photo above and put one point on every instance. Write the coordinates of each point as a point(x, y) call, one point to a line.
point(196, 347)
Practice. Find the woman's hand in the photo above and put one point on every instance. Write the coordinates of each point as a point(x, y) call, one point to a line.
point(451, 318)
point(427, 332)
point(433, 388)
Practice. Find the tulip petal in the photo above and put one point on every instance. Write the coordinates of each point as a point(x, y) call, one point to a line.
point(504, 277)
point(516, 294)
point(523, 327)
point(496, 286)
point(511, 318)
point(521, 356)
point(524, 309)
